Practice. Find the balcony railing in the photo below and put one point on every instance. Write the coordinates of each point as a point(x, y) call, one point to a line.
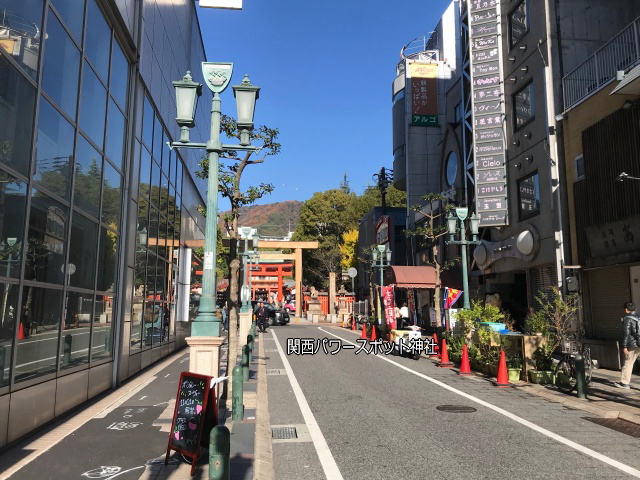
point(620, 53)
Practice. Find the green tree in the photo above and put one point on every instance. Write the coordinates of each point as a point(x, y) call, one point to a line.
point(371, 197)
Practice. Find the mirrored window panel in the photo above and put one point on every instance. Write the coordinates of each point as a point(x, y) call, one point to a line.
point(13, 198)
point(107, 254)
point(145, 171)
point(102, 334)
point(8, 314)
point(17, 105)
point(139, 294)
point(111, 193)
point(88, 170)
point(72, 13)
point(61, 84)
point(98, 41)
point(82, 252)
point(93, 108)
point(40, 317)
point(115, 135)
point(76, 332)
point(119, 82)
point(54, 150)
point(22, 23)
point(158, 146)
point(46, 239)
point(147, 124)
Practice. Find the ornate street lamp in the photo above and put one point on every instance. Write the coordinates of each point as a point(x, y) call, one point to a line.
point(452, 227)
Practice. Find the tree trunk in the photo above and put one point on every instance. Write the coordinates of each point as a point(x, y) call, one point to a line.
point(437, 294)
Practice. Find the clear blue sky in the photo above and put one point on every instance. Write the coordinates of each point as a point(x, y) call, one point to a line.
point(325, 69)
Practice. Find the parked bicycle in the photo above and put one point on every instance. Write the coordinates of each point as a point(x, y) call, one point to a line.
point(565, 372)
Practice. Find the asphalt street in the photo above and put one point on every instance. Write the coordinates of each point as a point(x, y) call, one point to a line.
point(366, 416)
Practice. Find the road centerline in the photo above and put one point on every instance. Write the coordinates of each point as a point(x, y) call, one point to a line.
point(576, 446)
point(329, 465)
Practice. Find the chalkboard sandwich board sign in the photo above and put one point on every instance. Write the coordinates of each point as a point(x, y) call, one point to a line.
point(195, 412)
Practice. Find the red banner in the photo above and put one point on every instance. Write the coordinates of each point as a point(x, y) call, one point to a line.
point(389, 306)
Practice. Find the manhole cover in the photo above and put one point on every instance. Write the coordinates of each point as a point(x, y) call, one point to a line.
point(456, 408)
point(617, 424)
point(283, 433)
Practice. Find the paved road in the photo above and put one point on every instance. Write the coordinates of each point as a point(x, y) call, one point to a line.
point(376, 417)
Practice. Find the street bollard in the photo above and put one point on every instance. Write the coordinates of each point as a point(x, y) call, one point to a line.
point(219, 453)
point(2, 355)
point(66, 356)
point(581, 383)
point(250, 343)
point(253, 329)
point(237, 407)
point(245, 363)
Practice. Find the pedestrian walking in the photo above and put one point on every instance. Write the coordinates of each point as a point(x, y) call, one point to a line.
point(225, 316)
point(261, 316)
point(630, 343)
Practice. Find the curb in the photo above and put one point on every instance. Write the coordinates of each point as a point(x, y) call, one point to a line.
point(263, 464)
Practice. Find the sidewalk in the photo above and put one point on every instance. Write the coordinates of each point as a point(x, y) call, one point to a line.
point(86, 440)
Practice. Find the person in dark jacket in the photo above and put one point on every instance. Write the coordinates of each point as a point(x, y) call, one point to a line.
point(631, 349)
point(261, 316)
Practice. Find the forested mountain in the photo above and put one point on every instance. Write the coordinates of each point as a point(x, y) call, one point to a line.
point(271, 220)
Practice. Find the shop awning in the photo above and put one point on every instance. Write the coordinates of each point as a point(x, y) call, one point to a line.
point(410, 277)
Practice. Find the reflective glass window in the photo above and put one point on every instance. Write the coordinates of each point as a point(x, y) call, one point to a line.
point(523, 107)
point(46, 239)
point(72, 13)
point(155, 183)
point(179, 178)
point(111, 196)
point(153, 324)
point(61, 83)
point(143, 221)
point(76, 333)
point(119, 82)
point(102, 333)
point(98, 40)
point(170, 166)
point(8, 313)
point(137, 305)
point(94, 106)
point(164, 195)
point(88, 170)
point(107, 254)
point(145, 168)
point(13, 199)
point(40, 315)
point(82, 252)
point(158, 146)
point(153, 229)
point(24, 21)
point(147, 124)
point(115, 135)
point(54, 150)
point(518, 22)
point(17, 98)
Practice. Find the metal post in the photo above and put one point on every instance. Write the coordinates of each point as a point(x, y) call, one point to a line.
point(245, 363)
point(206, 324)
point(250, 344)
point(581, 384)
point(237, 407)
point(219, 453)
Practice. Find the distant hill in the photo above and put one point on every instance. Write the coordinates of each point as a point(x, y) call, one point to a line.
point(271, 220)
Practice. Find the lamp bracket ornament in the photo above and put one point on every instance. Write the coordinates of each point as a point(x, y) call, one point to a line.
point(217, 75)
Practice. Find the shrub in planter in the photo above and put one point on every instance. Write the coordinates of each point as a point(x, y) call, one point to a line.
point(514, 367)
point(543, 374)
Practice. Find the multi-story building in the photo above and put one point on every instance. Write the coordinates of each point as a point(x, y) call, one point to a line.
point(96, 213)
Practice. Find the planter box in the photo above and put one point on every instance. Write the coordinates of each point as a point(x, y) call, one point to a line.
point(514, 374)
point(542, 377)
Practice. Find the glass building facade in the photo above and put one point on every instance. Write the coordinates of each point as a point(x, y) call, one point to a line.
point(96, 212)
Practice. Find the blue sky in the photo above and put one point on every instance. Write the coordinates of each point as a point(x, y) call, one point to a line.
point(325, 69)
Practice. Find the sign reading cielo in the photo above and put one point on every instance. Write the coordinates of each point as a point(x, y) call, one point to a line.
point(487, 96)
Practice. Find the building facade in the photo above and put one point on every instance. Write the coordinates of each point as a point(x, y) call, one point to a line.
point(96, 212)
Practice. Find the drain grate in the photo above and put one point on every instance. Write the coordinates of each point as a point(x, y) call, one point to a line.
point(284, 433)
point(456, 408)
point(276, 371)
point(617, 424)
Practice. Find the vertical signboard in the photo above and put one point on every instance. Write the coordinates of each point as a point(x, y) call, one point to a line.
point(424, 94)
point(488, 113)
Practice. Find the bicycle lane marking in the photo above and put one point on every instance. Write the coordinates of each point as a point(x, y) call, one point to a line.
point(581, 448)
point(322, 449)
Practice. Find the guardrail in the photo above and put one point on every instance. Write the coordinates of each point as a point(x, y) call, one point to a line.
point(620, 53)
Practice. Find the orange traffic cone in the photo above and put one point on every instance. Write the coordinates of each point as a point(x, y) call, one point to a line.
point(444, 359)
point(436, 348)
point(21, 332)
point(465, 367)
point(353, 323)
point(373, 333)
point(503, 375)
point(364, 331)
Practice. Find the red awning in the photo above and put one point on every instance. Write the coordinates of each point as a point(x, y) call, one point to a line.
point(411, 277)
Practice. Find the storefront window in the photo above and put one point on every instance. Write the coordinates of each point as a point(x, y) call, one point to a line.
point(17, 98)
point(76, 332)
point(40, 315)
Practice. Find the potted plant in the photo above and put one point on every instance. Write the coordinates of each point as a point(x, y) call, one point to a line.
point(514, 367)
point(543, 374)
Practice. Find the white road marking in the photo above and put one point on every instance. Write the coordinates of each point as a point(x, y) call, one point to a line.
point(324, 454)
point(167, 375)
point(581, 448)
point(142, 397)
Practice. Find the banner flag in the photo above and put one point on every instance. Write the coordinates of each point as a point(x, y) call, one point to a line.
point(451, 296)
point(389, 306)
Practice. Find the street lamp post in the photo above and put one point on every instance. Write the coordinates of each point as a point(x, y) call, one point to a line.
point(453, 227)
point(381, 256)
point(247, 233)
point(217, 77)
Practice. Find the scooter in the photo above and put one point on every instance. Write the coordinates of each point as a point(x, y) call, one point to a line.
point(402, 340)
